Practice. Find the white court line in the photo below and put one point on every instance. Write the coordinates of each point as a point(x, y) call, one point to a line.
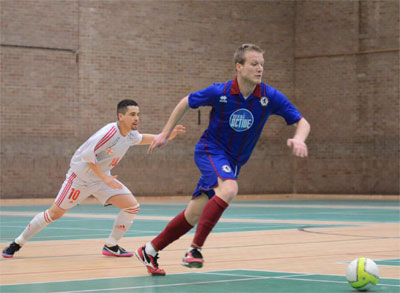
point(208, 282)
point(60, 228)
point(83, 280)
point(71, 236)
point(327, 206)
point(76, 228)
point(214, 282)
point(237, 275)
point(176, 284)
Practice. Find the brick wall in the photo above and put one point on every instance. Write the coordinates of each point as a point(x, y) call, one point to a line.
point(156, 52)
point(351, 98)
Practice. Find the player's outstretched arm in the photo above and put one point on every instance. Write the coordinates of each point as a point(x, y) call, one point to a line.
point(176, 115)
point(297, 143)
point(148, 138)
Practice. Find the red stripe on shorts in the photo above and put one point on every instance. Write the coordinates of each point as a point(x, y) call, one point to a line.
point(66, 188)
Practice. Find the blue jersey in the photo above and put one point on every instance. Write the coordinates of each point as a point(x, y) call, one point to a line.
point(235, 122)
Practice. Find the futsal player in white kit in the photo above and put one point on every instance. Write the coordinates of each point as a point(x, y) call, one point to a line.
point(89, 174)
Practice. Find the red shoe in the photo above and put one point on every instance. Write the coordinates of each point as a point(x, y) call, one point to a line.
point(193, 259)
point(149, 261)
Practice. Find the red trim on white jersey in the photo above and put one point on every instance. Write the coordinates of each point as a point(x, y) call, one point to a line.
point(66, 188)
point(106, 138)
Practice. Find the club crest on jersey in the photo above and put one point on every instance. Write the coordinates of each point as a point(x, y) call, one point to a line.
point(110, 151)
point(264, 101)
point(226, 168)
point(223, 99)
point(241, 120)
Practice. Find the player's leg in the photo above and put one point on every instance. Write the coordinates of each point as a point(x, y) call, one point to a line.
point(177, 227)
point(217, 174)
point(129, 208)
point(38, 222)
point(212, 212)
point(64, 201)
point(124, 199)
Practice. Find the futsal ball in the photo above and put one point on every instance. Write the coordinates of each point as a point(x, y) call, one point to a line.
point(362, 274)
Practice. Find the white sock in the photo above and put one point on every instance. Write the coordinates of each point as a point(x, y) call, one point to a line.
point(150, 249)
point(191, 248)
point(38, 222)
point(122, 224)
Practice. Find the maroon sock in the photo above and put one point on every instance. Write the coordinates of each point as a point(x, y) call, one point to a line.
point(177, 227)
point(209, 217)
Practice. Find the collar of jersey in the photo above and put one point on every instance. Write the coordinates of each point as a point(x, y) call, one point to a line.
point(235, 89)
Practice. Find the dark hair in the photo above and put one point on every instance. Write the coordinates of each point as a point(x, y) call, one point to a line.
point(123, 106)
point(238, 57)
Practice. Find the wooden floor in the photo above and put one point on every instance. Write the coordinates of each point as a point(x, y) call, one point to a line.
point(310, 239)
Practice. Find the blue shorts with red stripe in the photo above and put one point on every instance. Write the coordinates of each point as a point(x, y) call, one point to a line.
point(213, 163)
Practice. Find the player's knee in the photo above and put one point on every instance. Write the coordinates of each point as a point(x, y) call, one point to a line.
point(55, 214)
point(133, 209)
point(130, 213)
point(192, 217)
point(230, 191)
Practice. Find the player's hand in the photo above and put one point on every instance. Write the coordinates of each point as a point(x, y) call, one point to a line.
point(159, 141)
point(178, 129)
point(111, 182)
point(299, 148)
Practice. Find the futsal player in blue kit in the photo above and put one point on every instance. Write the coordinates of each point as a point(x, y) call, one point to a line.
point(240, 109)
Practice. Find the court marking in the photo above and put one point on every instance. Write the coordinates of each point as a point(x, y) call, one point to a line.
point(252, 205)
point(124, 282)
point(179, 284)
point(241, 278)
point(391, 262)
point(166, 218)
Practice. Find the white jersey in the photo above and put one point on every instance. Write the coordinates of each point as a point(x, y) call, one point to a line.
point(106, 148)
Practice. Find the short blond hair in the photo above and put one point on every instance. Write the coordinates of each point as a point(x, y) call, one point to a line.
point(238, 57)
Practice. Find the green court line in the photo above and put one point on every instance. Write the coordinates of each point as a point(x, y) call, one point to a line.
point(395, 262)
point(73, 228)
point(291, 212)
point(89, 228)
point(217, 281)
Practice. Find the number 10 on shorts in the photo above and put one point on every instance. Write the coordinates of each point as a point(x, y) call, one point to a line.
point(74, 194)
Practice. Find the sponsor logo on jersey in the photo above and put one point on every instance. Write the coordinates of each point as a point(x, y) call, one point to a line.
point(264, 101)
point(226, 168)
point(241, 120)
point(223, 99)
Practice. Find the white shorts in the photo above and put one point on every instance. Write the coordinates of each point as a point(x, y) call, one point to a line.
point(74, 191)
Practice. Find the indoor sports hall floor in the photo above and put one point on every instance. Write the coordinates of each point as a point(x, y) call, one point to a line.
point(258, 246)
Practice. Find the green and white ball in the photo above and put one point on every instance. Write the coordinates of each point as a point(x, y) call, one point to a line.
point(362, 274)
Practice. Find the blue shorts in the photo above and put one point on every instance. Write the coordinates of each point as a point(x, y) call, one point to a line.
point(213, 163)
